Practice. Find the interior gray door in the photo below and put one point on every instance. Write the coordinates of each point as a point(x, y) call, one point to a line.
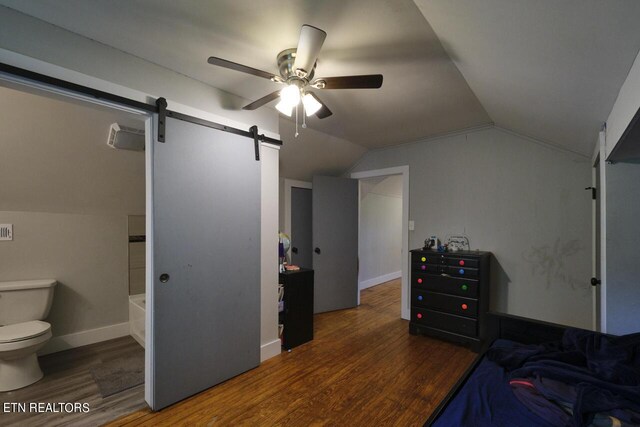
point(205, 321)
point(335, 242)
point(301, 232)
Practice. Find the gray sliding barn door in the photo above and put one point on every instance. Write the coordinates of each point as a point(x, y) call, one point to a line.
point(205, 321)
point(335, 243)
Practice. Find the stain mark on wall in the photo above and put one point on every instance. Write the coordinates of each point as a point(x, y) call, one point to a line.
point(549, 262)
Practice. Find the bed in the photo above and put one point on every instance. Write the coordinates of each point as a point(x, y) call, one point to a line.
point(541, 374)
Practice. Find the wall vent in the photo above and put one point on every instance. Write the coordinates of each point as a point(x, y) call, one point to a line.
point(6, 231)
point(125, 138)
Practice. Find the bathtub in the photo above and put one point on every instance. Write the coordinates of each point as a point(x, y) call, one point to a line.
point(137, 304)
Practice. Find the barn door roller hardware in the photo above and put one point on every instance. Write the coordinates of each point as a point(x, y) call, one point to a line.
point(252, 133)
point(256, 145)
point(161, 103)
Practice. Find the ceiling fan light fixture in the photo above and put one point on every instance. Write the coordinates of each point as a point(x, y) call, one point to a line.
point(290, 95)
point(284, 108)
point(311, 105)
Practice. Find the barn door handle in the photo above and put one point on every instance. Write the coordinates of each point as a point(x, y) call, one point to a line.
point(595, 281)
point(294, 250)
point(317, 250)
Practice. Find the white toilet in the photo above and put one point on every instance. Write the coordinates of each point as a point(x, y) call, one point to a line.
point(23, 305)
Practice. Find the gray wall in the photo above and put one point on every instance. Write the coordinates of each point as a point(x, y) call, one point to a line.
point(68, 195)
point(623, 237)
point(522, 200)
point(380, 233)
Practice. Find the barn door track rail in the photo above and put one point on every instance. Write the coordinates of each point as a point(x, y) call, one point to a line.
point(160, 106)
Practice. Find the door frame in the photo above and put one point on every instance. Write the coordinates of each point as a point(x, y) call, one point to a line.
point(595, 322)
point(600, 157)
point(405, 284)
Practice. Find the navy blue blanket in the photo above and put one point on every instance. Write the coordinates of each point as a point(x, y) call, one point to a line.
point(604, 370)
point(486, 400)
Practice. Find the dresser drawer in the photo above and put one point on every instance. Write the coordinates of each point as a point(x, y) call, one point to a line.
point(446, 322)
point(443, 302)
point(429, 268)
point(463, 262)
point(471, 273)
point(428, 258)
point(445, 284)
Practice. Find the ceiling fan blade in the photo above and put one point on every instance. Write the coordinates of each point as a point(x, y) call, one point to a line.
point(262, 101)
point(370, 81)
point(324, 111)
point(309, 45)
point(242, 68)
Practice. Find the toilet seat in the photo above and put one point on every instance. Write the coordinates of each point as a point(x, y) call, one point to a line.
point(23, 331)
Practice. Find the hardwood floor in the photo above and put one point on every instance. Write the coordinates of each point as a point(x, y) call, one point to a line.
point(67, 378)
point(362, 368)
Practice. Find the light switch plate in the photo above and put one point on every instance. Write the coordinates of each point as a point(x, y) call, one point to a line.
point(412, 225)
point(6, 231)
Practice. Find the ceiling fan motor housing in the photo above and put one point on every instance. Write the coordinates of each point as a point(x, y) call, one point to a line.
point(286, 59)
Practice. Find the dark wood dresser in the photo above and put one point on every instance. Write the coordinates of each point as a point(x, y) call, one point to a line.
point(297, 313)
point(450, 295)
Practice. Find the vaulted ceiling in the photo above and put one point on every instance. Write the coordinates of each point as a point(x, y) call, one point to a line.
point(544, 68)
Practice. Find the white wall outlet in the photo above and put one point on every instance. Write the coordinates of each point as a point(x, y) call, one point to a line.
point(6, 231)
point(412, 225)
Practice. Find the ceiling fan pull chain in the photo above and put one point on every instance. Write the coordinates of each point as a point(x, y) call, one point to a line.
point(296, 135)
point(304, 117)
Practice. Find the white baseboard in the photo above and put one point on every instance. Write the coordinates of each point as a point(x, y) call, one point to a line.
point(79, 339)
point(380, 279)
point(270, 349)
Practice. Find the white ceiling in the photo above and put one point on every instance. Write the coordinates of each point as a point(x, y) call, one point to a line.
point(546, 68)
point(423, 92)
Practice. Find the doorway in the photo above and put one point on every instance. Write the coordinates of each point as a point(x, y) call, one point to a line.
point(297, 222)
point(68, 197)
point(379, 230)
point(383, 214)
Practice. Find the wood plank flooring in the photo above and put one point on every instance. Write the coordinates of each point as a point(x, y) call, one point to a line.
point(67, 378)
point(362, 369)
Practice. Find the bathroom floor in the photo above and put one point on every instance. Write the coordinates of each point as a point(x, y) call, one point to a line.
point(68, 379)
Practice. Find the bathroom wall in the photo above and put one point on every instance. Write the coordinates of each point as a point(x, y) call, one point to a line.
point(87, 254)
point(68, 196)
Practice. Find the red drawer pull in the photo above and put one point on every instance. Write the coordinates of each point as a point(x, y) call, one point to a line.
point(464, 306)
point(461, 262)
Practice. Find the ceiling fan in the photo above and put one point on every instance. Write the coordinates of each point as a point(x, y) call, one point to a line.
point(297, 69)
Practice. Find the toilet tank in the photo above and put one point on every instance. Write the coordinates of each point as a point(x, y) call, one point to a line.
point(25, 300)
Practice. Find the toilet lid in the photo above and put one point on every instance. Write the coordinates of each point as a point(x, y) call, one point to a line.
point(23, 331)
